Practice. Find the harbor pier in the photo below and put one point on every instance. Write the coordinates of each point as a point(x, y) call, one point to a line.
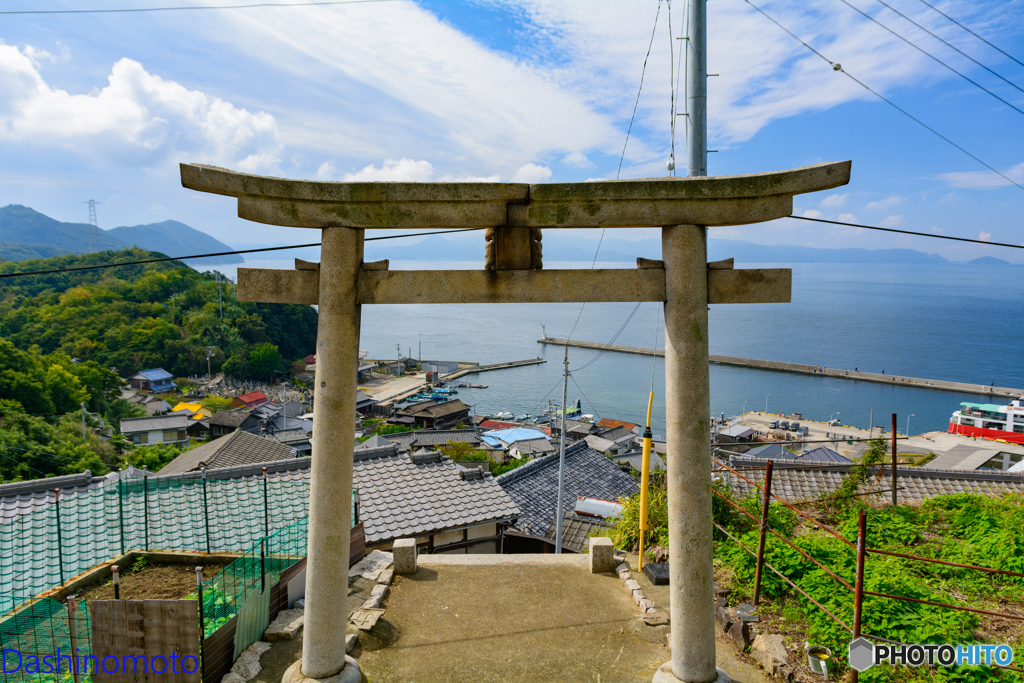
point(802, 368)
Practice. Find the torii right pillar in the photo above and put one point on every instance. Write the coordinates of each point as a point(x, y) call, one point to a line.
point(688, 438)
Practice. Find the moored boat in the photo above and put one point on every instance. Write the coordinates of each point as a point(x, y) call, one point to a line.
point(990, 421)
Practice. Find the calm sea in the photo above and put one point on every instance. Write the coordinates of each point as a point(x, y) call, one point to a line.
point(950, 322)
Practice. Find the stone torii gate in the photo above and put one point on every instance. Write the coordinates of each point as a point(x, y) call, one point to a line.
point(514, 215)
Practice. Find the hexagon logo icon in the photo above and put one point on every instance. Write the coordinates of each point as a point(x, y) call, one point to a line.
point(862, 654)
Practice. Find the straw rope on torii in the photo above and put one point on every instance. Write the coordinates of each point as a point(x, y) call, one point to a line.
point(514, 215)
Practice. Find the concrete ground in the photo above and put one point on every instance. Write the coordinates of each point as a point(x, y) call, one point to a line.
point(512, 623)
point(384, 389)
point(547, 620)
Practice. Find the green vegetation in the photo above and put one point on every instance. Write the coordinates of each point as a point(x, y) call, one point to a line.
point(63, 335)
point(155, 315)
point(964, 528)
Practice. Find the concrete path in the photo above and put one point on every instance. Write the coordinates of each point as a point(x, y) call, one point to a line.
point(525, 623)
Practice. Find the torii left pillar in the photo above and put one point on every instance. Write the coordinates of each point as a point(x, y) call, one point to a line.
point(330, 487)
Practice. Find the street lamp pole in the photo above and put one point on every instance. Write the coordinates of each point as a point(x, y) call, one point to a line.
point(908, 422)
point(766, 403)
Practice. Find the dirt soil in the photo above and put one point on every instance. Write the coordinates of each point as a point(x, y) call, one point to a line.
point(157, 581)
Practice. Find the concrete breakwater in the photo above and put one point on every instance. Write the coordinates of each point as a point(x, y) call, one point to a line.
point(941, 385)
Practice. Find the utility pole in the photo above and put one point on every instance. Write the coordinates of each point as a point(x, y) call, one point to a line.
point(871, 423)
point(697, 87)
point(83, 421)
point(419, 351)
point(561, 456)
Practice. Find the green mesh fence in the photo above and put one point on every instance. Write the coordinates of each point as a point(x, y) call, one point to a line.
point(256, 570)
point(43, 629)
point(156, 513)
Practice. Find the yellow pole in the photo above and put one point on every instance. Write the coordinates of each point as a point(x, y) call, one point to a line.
point(644, 476)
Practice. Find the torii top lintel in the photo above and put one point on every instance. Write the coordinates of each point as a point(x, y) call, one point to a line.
point(711, 201)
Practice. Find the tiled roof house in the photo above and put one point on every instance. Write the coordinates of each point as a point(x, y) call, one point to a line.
point(239, 448)
point(534, 486)
point(429, 498)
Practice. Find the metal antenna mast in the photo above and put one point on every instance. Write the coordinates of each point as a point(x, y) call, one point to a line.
point(697, 88)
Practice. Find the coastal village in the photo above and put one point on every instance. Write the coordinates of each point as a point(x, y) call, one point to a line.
point(212, 471)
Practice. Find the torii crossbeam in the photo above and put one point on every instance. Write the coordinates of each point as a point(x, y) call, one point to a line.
point(514, 214)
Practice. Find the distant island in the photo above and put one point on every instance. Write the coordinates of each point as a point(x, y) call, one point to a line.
point(28, 234)
point(560, 246)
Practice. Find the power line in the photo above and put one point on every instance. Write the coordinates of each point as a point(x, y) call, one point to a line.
point(973, 33)
point(639, 90)
point(220, 253)
point(838, 67)
point(911, 232)
point(949, 45)
point(610, 341)
point(936, 59)
point(189, 7)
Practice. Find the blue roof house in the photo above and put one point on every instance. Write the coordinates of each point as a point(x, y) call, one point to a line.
point(156, 380)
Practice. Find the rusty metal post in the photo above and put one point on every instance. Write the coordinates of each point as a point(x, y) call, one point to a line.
point(764, 531)
point(894, 459)
point(858, 586)
point(116, 574)
point(73, 638)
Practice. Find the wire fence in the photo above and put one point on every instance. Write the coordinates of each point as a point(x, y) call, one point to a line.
point(74, 533)
point(46, 635)
point(259, 568)
point(860, 549)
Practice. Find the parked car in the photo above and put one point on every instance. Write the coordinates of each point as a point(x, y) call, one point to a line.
point(774, 424)
point(794, 426)
point(784, 425)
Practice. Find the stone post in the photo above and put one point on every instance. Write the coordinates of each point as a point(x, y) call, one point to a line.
point(687, 399)
point(330, 487)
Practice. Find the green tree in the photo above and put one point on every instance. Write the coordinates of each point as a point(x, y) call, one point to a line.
point(264, 361)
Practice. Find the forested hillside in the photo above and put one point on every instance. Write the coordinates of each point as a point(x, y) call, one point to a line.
point(61, 333)
point(155, 315)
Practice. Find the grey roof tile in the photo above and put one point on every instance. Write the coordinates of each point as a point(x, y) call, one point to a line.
point(400, 499)
point(130, 425)
point(534, 486)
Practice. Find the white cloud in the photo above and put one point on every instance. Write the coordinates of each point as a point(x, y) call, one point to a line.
point(847, 218)
point(985, 236)
point(811, 213)
point(402, 170)
point(327, 171)
point(532, 173)
point(884, 203)
point(407, 170)
point(834, 200)
point(578, 159)
point(984, 179)
point(138, 118)
point(892, 221)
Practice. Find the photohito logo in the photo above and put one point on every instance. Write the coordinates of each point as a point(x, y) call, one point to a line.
point(863, 654)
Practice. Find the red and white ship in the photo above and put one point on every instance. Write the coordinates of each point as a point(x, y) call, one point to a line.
point(990, 421)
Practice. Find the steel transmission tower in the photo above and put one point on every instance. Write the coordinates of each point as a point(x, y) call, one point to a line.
point(94, 233)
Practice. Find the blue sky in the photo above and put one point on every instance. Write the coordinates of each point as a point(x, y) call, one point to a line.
point(104, 106)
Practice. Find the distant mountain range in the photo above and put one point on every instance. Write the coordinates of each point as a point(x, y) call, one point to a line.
point(558, 246)
point(26, 234)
